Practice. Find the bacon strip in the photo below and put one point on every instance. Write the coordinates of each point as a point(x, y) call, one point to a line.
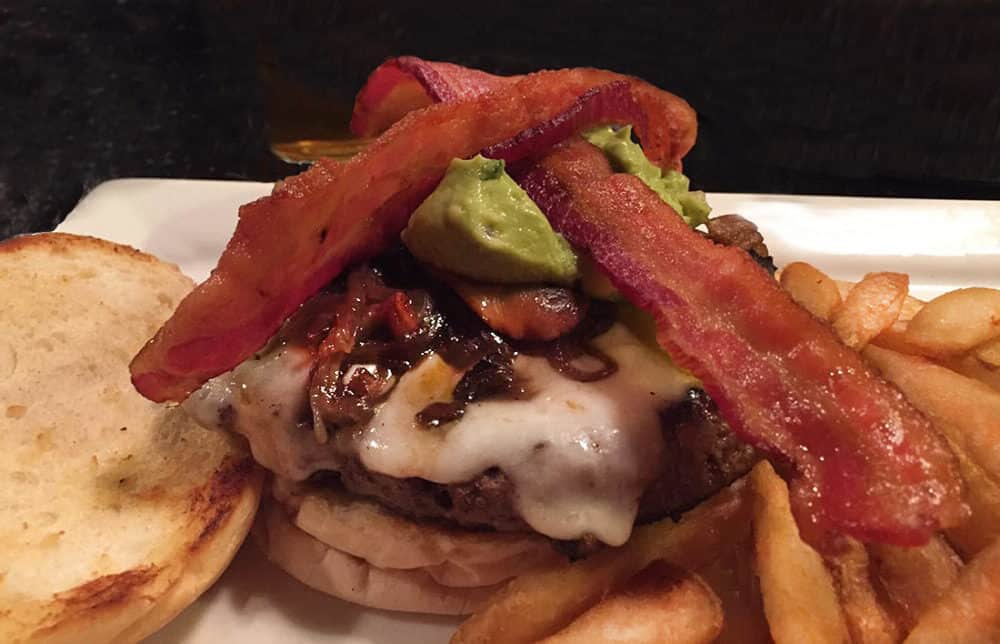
point(612, 99)
point(401, 85)
point(289, 244)
point(407, 83)
point(866, 462)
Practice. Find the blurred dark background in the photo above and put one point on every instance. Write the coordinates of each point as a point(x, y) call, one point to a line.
point(874, 97)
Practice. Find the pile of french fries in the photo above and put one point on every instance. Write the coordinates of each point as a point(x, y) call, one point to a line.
point(735, 568)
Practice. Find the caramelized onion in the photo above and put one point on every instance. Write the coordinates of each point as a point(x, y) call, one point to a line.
point(566, 359)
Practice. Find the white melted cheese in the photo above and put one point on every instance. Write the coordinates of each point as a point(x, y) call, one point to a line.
point(579, 454)
point(265, 399)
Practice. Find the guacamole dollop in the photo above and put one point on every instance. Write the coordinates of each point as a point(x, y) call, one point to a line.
point(480, 224)
point(625, 155)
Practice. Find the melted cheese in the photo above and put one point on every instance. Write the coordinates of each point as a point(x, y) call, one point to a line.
point(578, 454)
point(265, 399)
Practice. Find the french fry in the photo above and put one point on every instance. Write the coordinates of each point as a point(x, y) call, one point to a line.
point(982, 527)
point(868, 621)
point(970, 611)
point(540, 604)
point(966, 411)
point(660, 604)
point(844, 287)
point(971, 366)
point(811, 288)
point(895, 338)
point(870, 308)
point(735, 583)
point(914, 578)
point(989, 354)
point(800, 602)
point(910, 304)
point(956, 322)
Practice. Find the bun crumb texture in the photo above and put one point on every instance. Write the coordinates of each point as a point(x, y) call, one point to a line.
point(115, 512)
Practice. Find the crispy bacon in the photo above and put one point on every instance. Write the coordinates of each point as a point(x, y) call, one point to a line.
point(614, 98)
point(401, 85)
point(865, 461)
point(289, 244)
point(404, 84)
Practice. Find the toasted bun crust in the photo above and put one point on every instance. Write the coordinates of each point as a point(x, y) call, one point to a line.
point(451, 557)
point(115, 513)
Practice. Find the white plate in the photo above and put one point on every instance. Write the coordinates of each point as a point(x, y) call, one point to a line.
point(941, 244)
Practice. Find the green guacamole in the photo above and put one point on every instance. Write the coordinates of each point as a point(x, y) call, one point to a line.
point(480, 224)
point(672, 186)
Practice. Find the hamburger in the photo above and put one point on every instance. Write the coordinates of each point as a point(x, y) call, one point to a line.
point(443, 458)
point(450, 350)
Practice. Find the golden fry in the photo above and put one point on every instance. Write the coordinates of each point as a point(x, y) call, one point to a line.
point(966, 411)
point(660, 604)
point(538, 605)
point(989, 354)
point(895, 338)
point(970, 611)
point(735, 583)
point(914, 578)
point(983, 496)
point(910, 304)
point(799, 599)
point(870, 308)
point(867, 620)
point(811, 288)
point(956, 322)
point(971, 366)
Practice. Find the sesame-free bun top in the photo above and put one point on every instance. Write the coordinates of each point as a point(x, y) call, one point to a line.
point(115, 512)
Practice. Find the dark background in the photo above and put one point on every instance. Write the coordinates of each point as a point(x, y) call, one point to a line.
point(857, 98)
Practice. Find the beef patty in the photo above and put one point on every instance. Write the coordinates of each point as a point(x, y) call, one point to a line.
point(702, 456)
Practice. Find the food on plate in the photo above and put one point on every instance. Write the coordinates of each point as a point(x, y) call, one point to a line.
point(870, 308)
point(929, 592)
point(537, 605)
point(498, 344)
point(970, 610)
point(116, 513)
point(477, 196)
point(873, 592)
point(459, 386)
point(814, 291)
point(868, 620)
point(660, 604)
point(800, 601)
point(956, 322)
point(914, 578)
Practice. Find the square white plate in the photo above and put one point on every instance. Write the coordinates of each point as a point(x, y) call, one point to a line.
point(942, 244)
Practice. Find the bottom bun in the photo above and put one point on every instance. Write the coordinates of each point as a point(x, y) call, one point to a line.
point(453, 557)
point(342, 575)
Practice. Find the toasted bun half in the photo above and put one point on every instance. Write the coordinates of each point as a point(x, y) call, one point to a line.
point(115, 513)
point(355, 549)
